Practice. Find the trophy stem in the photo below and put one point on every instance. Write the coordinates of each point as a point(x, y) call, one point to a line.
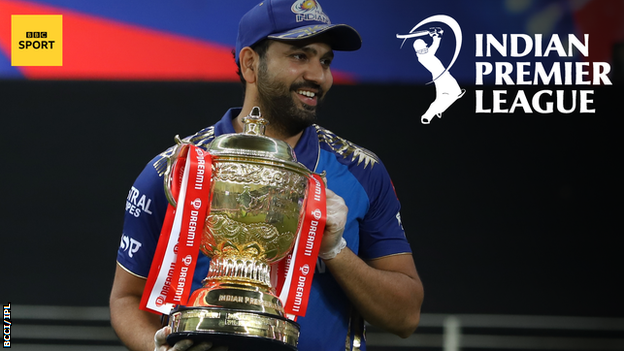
point(241, 270)
point(241, 283)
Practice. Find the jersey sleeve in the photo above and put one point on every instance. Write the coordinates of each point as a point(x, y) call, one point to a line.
point(146, 206)
point(381, 229)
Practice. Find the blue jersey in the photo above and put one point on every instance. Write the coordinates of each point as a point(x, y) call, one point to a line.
point(373, 228)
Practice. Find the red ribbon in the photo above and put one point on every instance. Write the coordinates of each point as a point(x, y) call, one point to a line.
point(301, 264)
point(194, 214)
point(171, 274)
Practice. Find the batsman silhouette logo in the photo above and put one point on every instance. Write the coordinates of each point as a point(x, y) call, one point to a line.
point(447, 88)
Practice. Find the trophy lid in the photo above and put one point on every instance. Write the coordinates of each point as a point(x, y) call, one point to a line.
point(253, 143)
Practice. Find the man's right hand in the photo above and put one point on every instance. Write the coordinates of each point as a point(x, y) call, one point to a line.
point(160, 343)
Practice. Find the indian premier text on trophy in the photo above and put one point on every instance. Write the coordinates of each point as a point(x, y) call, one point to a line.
point(244, 203)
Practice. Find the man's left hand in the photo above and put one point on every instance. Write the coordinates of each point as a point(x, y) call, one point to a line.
point(337, 212)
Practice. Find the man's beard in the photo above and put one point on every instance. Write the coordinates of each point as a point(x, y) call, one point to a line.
point(278, 106)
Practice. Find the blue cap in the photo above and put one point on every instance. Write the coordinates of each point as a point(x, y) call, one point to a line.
point(287, 20)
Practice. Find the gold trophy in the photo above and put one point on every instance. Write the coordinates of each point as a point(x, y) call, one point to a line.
point(258, 192)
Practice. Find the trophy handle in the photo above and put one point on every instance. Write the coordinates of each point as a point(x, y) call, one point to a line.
point(172, 168)
point(323, 176)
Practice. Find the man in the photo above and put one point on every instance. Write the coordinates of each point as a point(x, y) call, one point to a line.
point(284, 50)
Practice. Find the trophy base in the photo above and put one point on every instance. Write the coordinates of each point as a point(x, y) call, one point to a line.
point(237, 329)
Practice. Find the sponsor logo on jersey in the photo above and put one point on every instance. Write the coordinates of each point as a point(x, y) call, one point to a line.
point(129, 245)
point(398, 217)
point(137, 203)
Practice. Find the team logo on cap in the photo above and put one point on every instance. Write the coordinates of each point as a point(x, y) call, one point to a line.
point(309, 10)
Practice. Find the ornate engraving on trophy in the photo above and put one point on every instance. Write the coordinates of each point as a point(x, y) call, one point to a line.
point(253, 221)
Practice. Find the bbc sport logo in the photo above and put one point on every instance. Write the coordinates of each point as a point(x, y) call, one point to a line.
point(36, 40)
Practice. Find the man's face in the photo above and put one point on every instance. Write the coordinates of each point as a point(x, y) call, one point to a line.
point(292, 81)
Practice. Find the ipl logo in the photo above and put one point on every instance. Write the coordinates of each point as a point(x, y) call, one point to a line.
point(447, 88)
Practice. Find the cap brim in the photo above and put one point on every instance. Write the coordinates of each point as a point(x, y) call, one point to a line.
point(340, 37)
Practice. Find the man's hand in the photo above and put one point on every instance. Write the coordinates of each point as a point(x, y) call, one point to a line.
point(393, 276)
point(334, 226)
point(160, 343)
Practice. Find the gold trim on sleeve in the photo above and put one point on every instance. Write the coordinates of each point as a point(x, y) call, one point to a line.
point(396, 254)
point(129, 271)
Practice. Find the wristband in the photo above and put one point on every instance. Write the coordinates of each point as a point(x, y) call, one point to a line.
point(335, 251)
